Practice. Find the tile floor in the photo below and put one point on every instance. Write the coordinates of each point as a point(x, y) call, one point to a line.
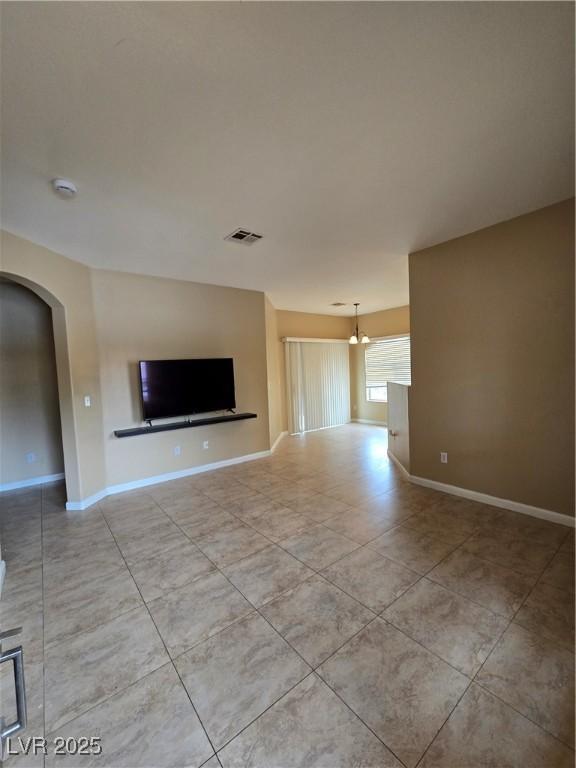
point(311, 609)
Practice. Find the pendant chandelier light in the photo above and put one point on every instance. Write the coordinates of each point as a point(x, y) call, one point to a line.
point(358, 335)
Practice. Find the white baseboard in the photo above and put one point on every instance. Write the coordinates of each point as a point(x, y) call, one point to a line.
point(76, 506)
point(2, 574)
point(495, 501)
point(277, 441)
point(399, 464)
point(371, 421)
point(31, 482)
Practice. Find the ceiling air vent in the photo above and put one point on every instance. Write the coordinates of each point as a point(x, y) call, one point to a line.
point(338, 304)
point(243, 236)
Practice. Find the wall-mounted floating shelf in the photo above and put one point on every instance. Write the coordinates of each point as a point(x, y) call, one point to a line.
point(133, 431)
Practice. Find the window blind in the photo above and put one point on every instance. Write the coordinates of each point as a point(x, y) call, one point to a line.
point(387, 360)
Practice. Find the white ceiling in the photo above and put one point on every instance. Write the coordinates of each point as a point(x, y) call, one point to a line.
point(348, 134)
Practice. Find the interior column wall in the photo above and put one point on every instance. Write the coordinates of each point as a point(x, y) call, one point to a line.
point(274, 373)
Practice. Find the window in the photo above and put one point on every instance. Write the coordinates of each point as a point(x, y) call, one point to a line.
point(386, 360)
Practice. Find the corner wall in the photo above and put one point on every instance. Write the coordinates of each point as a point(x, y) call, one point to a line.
point(492, 338)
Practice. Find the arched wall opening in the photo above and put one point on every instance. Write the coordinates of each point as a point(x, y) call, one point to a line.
point(64, 384)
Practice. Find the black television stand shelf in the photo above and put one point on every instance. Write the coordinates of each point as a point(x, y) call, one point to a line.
point(133, 431)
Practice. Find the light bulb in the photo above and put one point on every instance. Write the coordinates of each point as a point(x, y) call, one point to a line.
point(365, 339)
point(353, 339)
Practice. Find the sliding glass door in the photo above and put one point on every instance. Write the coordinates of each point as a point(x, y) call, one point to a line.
point(318, 384)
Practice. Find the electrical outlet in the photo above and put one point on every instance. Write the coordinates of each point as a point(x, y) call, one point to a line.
point(205, 445)
point(87, 401)
point(30, 458)
point(443, 457)
point(176, 450)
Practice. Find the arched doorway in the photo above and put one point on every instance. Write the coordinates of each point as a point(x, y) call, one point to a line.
point(64, 385)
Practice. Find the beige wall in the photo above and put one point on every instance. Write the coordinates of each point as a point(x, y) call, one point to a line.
point(66, 286)
point(492, 324)
point(29, 414)
point(307, 326)
point(310, 326)
point(141, 317)
point(388, 322)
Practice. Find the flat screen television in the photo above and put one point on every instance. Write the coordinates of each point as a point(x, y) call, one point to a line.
point(184, 387)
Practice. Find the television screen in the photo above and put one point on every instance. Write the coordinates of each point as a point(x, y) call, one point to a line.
point(183, 387)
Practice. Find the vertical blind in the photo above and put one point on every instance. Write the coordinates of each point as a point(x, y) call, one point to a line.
point(318, 385)
point(387, 360)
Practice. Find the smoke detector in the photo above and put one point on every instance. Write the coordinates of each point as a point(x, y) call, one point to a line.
point(64, 187)
point(243, 236)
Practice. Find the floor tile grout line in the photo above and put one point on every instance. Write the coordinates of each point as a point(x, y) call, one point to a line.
point(389, 623)
point(378, 613)
point(455, 592)
point(244, 557)
point(335, 692)
point(464, 692)
point(469, 678)
point(277, 543)
point(429, 650)
point(264, 711)
point(522, 714)
point(130, 685)
point(474, 679)
point(313, 670)
point(512, 618)
point(254, 609)
point(459, 595)
point(539, 579)
point(108, 698)
point(326, 493)
point(536, 574)
point(515, 614)
point(170, 659)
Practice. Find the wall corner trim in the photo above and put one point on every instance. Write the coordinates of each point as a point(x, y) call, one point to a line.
point(277, 441)
point(77, 506)
point(30, 482)
point(495, 501)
